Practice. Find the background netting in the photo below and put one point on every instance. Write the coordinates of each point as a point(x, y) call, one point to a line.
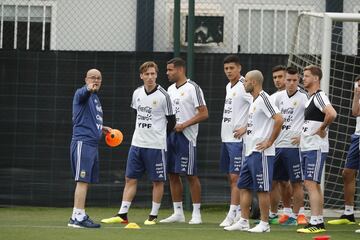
point(47, 46)
point(344, 67)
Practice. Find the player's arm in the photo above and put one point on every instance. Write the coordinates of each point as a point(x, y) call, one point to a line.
point(83, 94)
point(200, 116)
point(330, 115)
point(171, 122)
point(278, 122)
point(355, 103)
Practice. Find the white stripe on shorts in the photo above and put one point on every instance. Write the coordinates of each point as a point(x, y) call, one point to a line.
point(265, 172)
point(190, 170)
point(78, 159)
point(164, 162)
point(317, 166)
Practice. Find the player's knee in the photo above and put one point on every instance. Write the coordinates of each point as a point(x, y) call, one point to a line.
point(310, 185)
point(348, 175)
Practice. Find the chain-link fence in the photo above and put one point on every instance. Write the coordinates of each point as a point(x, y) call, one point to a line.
point(47, 46)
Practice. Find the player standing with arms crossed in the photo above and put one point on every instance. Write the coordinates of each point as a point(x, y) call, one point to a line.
point(314, 145)
point(190, 109)
point(233, 126)
point(154, 115)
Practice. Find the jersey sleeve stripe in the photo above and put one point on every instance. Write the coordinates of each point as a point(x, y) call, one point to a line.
point(198, 93)
point(320, 100)
point(242, 79)
point(168, 101)
point(268, 104)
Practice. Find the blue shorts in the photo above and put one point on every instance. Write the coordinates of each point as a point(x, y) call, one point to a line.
point(287, 165)
point(153, 161)
point(231, 157)
point(181, 155)
point(256, 172)
point(353, 156)
point(84, 162)
point(312, 165)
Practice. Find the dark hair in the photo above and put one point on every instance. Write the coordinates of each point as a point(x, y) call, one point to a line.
point(232, 59)
point(146, 65)
point(315, 70)
point(178, 62)
point(357, 78)
point(278, 68)
point(292, 70)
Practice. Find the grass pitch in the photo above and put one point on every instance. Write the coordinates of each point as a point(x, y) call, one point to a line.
point(32, 223)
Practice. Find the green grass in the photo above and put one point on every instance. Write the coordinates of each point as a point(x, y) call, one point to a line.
point(32, 223)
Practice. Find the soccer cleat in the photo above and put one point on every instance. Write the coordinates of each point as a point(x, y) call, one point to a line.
point(310, 228)
point(301, 219)
point(85, 223)
point(227, 222)
point(274, 220)
point(196, 219)
point(344, 219)
point(115, 219)
point(150, 221)
point(71, 222)
point(240, 225)
point(357, 231)
point(289, 222)
point(283, 218)
point(174, 218)
point(259, 229)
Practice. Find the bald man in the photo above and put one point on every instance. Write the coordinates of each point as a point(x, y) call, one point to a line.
point(87, 118)
point(263, 127)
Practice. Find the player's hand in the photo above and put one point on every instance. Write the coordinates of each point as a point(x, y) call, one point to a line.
point(239, 132)
point(263, 145)
point(295, 140)
point(106, 130)
point(179, 127)
point(322, 133)
point(91, 87)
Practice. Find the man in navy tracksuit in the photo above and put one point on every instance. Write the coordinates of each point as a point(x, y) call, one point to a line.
point(87, 130)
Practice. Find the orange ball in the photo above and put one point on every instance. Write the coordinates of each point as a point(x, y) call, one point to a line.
point(114, 138)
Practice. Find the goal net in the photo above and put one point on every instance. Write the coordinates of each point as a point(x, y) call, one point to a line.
point(331, 40)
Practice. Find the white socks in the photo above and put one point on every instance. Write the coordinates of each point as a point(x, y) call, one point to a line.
point(196, 209)
point(78, 214)
point(178, 208)
point(349, 210)
point(155, 209)
point(232, 211)
point(124, 207)
point(314, 220)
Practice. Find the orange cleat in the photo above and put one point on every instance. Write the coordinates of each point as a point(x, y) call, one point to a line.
point(301, 219)
point(283, 218)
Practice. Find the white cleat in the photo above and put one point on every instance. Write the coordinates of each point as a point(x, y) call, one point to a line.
point(259, 229)
point(196, 220)
point(174, 218)
point(241, 225)
point(357, 231)
point(227, 222)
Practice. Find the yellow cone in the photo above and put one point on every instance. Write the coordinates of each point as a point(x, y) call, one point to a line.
point(132, 226)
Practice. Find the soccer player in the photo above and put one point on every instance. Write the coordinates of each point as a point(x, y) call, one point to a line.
point(190, 109)
point(352, 164)
point(154, 115)
point(279, 189)
point(291, 103)
point(233, 126)
point(314, 145)
point(263, 127)
point(87, 119)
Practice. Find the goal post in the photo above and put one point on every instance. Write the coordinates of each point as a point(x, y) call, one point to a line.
point(331, 40)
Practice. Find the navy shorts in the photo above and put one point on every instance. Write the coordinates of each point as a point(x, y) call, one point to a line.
point(181, 155)
point(84, 162)
point(256, 172)
point(153, 161)
point(287, 165)
point(353, 156)
point(231, 157)
point(312, 164)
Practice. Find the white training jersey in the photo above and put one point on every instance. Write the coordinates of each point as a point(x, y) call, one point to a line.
point(152, 109)
point(357, 129)
point(292, 108)
point(236, 110)
point(185, 101)
point(260, 123)
point(275, 94)
point(314, 117)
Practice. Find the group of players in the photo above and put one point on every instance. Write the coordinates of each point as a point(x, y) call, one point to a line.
point(273, 145)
